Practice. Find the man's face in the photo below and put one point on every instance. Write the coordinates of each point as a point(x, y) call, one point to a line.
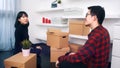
point(88, 19)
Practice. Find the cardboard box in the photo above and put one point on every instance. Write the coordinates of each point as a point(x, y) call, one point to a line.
point(56, 52)
point(19, 61)
point(57, 39)
point(75, 27)
point(86, 30)
point(78, 27)
point(75, 47)
point(53, 30)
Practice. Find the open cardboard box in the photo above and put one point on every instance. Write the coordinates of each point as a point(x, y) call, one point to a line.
point(78, 27)
point(57, 39)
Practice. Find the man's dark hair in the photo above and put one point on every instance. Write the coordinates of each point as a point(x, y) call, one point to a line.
point(98, 11)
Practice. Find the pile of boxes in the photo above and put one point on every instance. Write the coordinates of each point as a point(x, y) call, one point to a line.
point(58, 41)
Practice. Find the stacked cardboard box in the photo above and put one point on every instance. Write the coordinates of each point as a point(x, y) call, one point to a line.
point(78, 27)
point(58, 41)
point(56, 52)
point(75, 47)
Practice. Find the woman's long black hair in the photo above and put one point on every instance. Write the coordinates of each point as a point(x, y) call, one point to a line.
point(19, 15)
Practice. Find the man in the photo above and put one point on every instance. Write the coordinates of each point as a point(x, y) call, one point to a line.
point(95, 52)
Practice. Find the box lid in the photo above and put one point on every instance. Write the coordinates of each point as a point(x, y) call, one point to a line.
point(51, 30)
point(78, 22)
point(66, 49)
point(58, 34)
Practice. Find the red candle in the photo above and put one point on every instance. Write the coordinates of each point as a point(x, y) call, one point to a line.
point(43, 20)
point(49, 21)
point(46, 20)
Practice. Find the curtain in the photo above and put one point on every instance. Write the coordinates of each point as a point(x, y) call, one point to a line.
point(8, 10)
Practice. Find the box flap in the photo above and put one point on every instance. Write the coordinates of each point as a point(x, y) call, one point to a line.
point(78, 22)
point(58, 34)
point(66, 49)
point(53, 30)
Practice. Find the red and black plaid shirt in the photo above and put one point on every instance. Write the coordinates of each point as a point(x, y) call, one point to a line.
point(95, 52)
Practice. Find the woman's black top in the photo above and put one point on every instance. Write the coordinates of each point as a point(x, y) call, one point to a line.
point(21, 33)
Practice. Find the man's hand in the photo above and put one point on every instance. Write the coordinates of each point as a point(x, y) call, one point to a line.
point(56, 64)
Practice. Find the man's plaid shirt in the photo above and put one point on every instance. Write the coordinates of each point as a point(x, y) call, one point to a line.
point(95, 52)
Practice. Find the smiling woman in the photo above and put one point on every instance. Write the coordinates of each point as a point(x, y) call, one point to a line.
point(8, 9)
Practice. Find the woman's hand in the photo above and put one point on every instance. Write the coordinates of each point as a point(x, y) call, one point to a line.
point(56, 64)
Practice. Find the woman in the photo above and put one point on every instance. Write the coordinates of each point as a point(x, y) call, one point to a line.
point(21, 30)
point(21, 33)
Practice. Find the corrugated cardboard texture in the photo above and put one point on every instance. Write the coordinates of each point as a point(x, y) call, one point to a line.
point(53, 30)
point(78, 27)
point(19, 61)
point(57, 39)
point(75, 47)
point(55, 53)
point(86, 30)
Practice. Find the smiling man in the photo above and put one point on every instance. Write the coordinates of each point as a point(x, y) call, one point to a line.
point(95, 52)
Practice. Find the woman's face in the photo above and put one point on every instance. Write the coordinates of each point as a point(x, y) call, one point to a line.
point(23, 19)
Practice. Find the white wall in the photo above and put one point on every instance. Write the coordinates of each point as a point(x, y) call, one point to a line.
point(33, 6)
